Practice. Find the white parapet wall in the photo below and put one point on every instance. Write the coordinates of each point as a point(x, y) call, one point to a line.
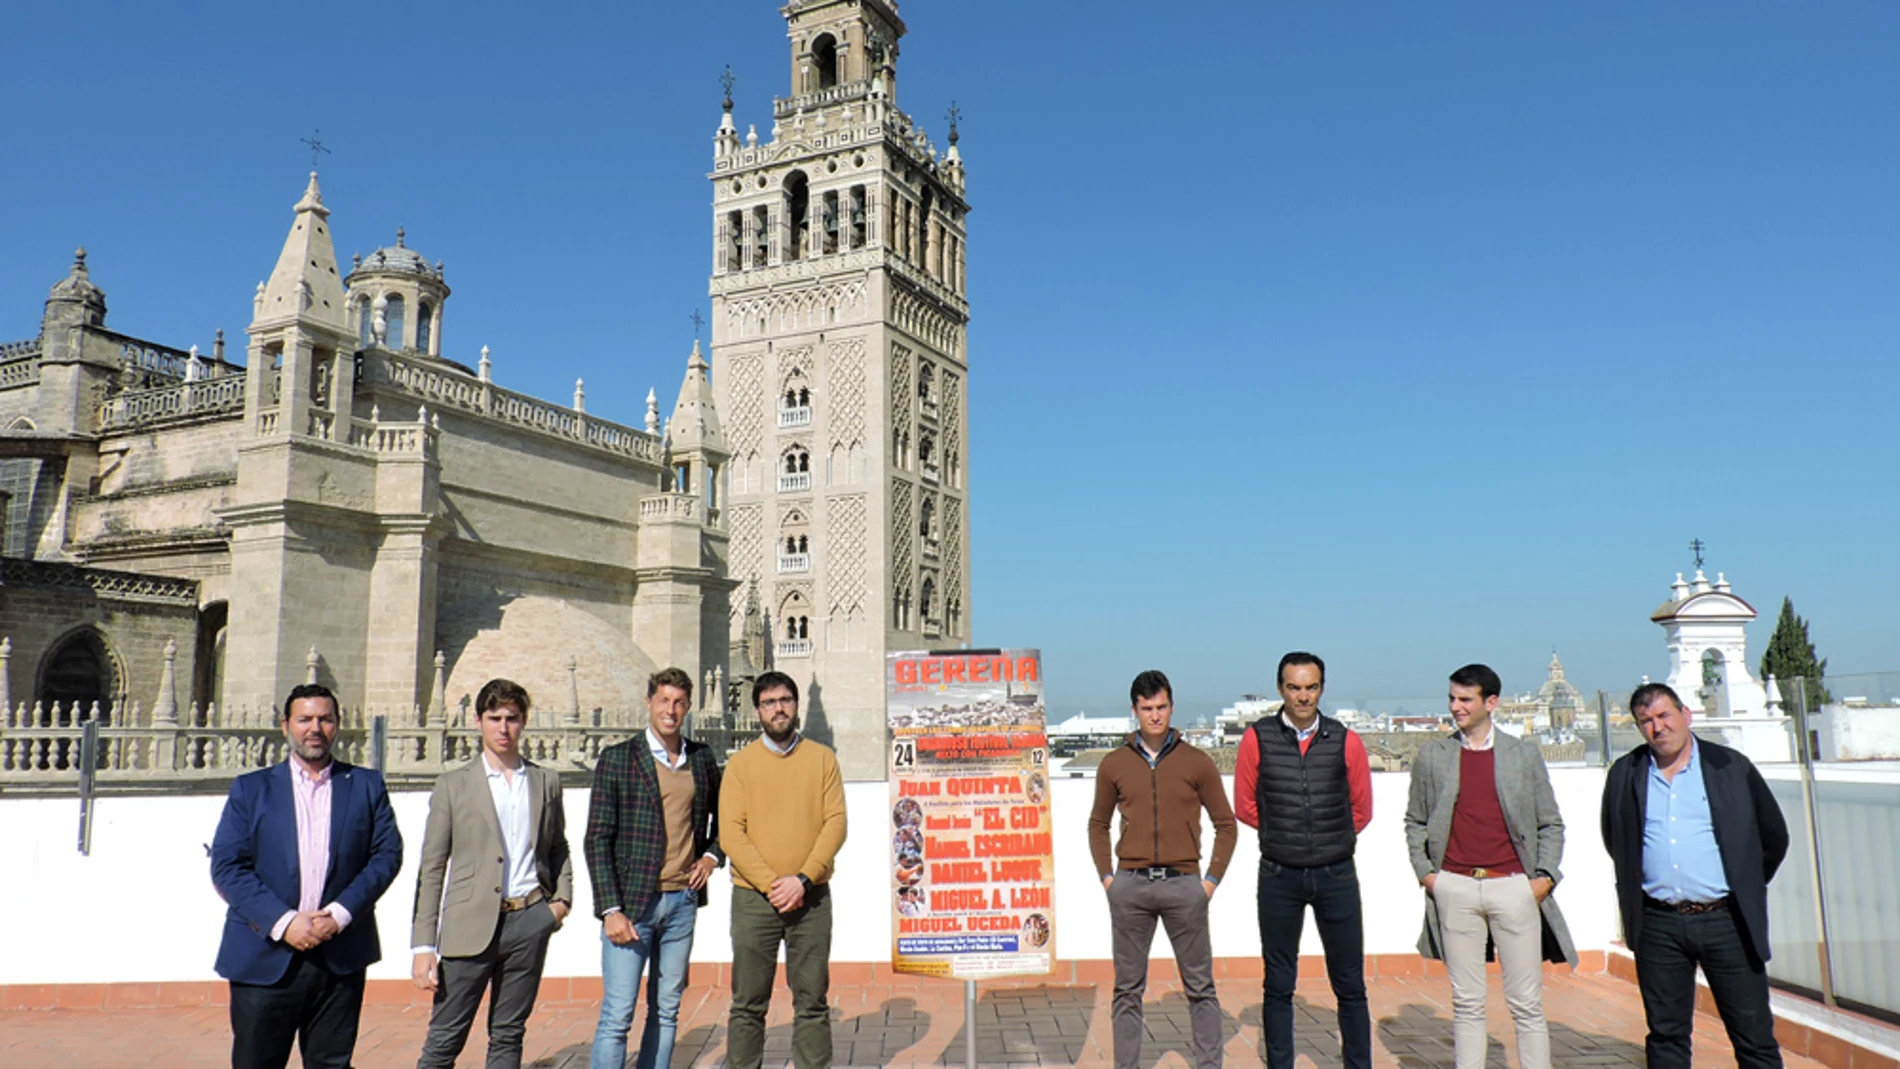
point(141, 907)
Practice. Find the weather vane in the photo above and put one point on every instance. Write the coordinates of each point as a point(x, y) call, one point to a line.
point(698, 322)
point(315, 141)
point(727, 81)
point(1698, 545)
point(955, 115)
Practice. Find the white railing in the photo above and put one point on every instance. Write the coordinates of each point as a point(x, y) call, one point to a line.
point(930, 408)
point(933, 628)
point(794, 417)
point(931, 474)
point(794, 647)
point(793, 563)
point(791, 484)
point(267, 423)
point(931, 548)
point(142, 750)
point(784, 107)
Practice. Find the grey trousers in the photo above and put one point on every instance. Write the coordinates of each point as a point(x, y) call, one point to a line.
point(509, 971)
point(1505, 909)
point(1135, 903)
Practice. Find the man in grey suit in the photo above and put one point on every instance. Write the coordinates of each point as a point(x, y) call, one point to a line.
point(495, 883)
point(1486, 838)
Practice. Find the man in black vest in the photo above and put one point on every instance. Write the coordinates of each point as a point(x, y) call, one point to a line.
point(1302, 779)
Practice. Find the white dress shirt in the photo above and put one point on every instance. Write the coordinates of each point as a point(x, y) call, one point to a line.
point(514, 811)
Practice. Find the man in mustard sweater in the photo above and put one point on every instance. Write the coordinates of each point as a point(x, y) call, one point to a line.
point(781, 822)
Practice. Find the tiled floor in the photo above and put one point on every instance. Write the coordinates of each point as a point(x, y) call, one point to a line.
point(1595, 1020)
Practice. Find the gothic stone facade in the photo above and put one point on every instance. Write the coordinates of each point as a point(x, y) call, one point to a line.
point(349, 491)
point(839, 327)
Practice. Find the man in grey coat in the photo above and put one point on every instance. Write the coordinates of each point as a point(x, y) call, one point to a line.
point(1486, 838)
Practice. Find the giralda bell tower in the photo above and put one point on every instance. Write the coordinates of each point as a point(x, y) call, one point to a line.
point(838, 330)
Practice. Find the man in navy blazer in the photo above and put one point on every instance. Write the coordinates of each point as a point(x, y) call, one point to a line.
point(1695, 836)
point(303, 851)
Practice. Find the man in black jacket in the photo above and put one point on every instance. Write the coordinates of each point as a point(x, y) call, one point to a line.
point(1695, 837)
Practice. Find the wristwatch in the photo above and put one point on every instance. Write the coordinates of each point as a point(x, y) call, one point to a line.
point(806, 880)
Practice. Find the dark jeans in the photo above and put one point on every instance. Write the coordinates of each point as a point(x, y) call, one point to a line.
point(1667, 952)
point(1135, 903)
point(311, 1006)
point(1333, 892)
point(757, 931)
point(509, 972)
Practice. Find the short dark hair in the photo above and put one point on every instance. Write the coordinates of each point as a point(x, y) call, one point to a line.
point(669, 677)
point(772, 681)
point(1298, 657)
point(499, 692)
point(310, 690)
point(1147, 685)
point(1647, 694)
point(1480, 676)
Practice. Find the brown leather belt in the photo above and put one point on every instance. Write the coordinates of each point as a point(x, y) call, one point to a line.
point(1480, 873)
point(1720, 905)
point(515, 905)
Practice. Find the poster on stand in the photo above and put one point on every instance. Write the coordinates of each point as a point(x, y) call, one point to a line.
point(972, 856)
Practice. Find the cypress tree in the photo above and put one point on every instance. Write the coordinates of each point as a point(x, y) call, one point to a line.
point(1790, 656)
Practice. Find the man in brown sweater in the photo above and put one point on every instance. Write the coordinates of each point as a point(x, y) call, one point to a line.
point(781, 822)
point(1160, 784)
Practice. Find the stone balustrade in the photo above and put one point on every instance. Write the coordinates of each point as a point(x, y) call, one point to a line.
point(213, 396)
point(17, 370)
point(445, 387)
point(786, 107)
point(140, 752)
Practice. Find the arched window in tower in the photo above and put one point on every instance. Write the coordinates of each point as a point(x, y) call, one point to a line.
point(830, 221)
point(955, 614)
point(732, 239)
point(363, 323)
point(425, 315)
point(393, 315)
point(928, 516)
point(920, 250)
point(860, 217)
point(797, 214)
point(761, 236)
point(930, 599)
point(824, 61)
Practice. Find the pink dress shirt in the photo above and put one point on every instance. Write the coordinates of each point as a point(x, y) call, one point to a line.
point(311, 793)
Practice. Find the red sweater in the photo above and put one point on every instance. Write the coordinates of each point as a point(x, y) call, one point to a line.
point(1479, 838)
point(1358, 780)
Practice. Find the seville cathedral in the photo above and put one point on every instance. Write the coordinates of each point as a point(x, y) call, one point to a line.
point(350, 504)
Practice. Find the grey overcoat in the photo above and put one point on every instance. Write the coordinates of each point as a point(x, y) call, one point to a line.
point(1530, 812)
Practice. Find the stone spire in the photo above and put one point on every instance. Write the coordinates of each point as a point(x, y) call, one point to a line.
point(695, 423)
point(305, 283)
point(653, 413)
point(81, 301)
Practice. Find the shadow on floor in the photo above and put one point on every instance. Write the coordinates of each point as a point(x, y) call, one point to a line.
point(1014, 1024)
point(1419, 1039)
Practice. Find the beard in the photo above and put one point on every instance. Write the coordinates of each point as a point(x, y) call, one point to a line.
point(781, 739)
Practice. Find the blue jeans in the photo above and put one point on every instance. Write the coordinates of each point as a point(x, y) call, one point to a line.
point(1333, 892)
point(666, 940)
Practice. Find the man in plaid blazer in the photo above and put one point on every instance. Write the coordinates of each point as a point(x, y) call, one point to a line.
point(652, 842)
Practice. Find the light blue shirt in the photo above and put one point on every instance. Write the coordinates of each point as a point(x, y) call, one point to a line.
point(1681, 862)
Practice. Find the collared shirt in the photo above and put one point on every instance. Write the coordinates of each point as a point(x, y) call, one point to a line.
point(514, 811)
point(1490, 739)
point(789, 747)
point(1681, 862)
point(665, 760)
point(1301, 735)
point(310, 795)
point(1153, 756)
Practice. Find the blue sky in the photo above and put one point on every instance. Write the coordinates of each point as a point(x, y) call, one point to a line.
point(1412, 334)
